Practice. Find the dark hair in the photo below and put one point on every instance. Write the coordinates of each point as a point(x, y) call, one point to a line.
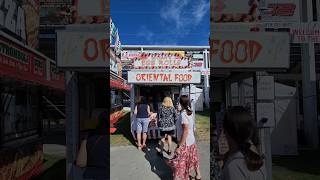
point(143, 100)
point(101, 127)
point(185, 104)
point(242, 128)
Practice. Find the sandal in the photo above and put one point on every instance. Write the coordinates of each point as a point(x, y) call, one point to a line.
point(197, 178)
point(140, 148)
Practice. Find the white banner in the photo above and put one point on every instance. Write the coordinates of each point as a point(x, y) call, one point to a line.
point(82, 49)
point(250, 50)
point(306, 33)
point(158, 77)
point(279, 11)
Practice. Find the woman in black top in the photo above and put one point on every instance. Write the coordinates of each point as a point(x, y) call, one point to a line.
point(142, 113)
point(93, 153)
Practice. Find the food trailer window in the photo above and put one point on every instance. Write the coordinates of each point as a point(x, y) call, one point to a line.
point(20, 113)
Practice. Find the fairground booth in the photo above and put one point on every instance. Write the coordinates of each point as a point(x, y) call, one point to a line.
point(82, 51)
point(29, 80)
point(160, 71)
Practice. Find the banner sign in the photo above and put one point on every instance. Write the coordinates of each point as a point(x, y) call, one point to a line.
point(90, 12)
point(13, 18)
point(176, 77)
point(229, 11)
point(197, 65)
point(55, 12)
point(279, 11)
point(129, 55)
point(20, 63)
point(32, 20)
point(162, 60)
point(306, 33)
point(82, 49)
point(250, 50)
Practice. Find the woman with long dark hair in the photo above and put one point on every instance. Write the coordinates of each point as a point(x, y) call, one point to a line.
point(93, 151)
point(243, 161)
point(186, 154)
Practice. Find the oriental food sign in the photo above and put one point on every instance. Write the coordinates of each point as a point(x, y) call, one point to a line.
point(177, 77)
point(162, 60)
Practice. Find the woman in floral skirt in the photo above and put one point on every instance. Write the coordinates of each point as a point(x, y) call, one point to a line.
point(186, 154)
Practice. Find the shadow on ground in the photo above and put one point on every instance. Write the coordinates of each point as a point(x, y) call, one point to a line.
point(157, 163)
point(123, 128)
point(307, 162)
point(57, 171)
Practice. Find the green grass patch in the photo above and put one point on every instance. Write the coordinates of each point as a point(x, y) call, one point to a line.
point(122, 136)
point(203, 125)
point(305, 166)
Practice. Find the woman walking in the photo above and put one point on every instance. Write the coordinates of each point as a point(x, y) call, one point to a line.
point(166, 122)
point(186, 155)
point(243, 162)
point(142, 112)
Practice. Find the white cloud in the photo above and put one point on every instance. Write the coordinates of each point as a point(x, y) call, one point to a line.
point(146, 33)
point(182, 14)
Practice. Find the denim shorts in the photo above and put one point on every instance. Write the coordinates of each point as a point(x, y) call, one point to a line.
point(142, 125)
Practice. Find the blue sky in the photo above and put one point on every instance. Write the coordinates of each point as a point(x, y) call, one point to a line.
point(162, 22)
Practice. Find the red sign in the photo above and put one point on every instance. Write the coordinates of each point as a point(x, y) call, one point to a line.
point(19, 63)
point(285, 9)
point(119, 84)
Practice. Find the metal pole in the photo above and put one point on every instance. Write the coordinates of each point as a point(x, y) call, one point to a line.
point(72, 122)
point(309, 86)
point(265, 134)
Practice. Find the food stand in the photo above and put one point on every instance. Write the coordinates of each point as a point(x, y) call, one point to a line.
point(26, 76)
point(157, 74)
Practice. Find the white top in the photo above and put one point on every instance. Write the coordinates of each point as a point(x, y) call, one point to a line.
point(185, 119)
point(236, 169)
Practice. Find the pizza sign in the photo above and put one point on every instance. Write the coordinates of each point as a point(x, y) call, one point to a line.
point(12, 17)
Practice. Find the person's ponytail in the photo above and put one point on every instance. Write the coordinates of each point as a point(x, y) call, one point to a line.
point(241, 128)
point(253, 159)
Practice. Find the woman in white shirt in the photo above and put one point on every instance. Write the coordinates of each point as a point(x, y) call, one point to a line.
point(186, 154)
point(243, 161)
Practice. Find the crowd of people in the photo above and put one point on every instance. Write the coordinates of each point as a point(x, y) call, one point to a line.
point(243, 160)
point(171, 120)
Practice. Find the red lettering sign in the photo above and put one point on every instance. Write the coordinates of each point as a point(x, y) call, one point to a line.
point(236, 51)
point(92, 43)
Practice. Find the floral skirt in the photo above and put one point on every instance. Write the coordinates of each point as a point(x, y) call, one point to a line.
point(185, 162)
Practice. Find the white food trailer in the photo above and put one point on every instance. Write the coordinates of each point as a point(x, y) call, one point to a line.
point(158, 74)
